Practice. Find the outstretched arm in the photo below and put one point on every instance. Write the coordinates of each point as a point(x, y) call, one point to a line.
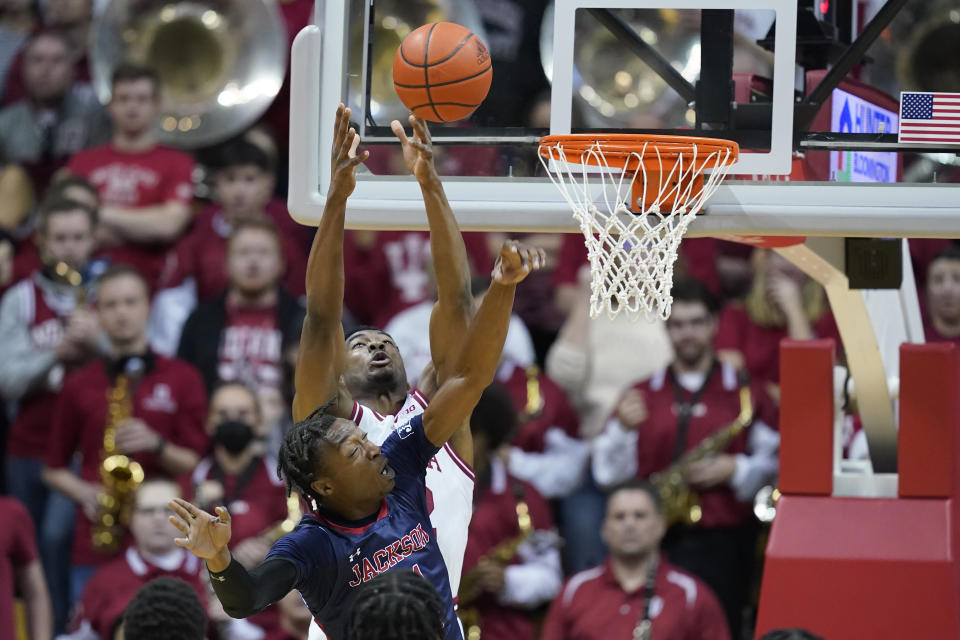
point(320, 360)
point(242, 593)
point(479, 356)
point(454, 307)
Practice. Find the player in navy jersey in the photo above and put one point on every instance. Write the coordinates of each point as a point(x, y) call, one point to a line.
point(365, 370)
point(369, 502)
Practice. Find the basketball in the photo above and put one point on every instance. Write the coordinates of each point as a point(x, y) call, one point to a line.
point(442, 72)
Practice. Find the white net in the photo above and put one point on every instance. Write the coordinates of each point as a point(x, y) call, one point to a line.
point(632, 254)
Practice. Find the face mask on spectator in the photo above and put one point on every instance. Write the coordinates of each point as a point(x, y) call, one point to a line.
point(233, 435)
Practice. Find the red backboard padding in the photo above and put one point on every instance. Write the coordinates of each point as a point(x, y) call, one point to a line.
point(859, 568)
point(806, 417)
point(929, 411)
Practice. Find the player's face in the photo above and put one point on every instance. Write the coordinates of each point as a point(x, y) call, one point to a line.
point(373, 363)
point(632, 526)
point(943, 289)
point(691, 328)
point(354, 471)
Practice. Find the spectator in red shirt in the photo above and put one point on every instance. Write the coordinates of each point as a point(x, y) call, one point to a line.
point(168, 405)
point(249, 332)
point(942, 318)
point(151, 555)
point(43, 334)
point(636, 593)
point(386, 271)
point(782, 303)
point(65, 187)
point(145, 189)
point(660, 419)
point(20, 573)
point(242, 477)
point(244, 183)
point(498, 595)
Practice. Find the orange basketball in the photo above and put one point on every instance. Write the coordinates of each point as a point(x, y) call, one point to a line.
point(442, 72)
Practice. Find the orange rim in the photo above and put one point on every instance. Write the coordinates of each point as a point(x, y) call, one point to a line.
point(625, 149)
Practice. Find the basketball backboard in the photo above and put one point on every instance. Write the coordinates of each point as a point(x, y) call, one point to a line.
point(820, 155)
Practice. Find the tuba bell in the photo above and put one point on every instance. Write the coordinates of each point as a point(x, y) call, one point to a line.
point(221, 62)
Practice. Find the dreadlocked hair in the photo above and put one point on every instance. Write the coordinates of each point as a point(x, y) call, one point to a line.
point(300, 451)
point(397, 605)
point(165, 609)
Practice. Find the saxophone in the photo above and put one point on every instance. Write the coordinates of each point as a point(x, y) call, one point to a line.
point(501, 554)
point(119, 475)
point(681, 503)
point(294, 513)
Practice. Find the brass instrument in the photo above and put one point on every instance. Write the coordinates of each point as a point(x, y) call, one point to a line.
point(501, 554)
point(119, 475)
point(765, 503)
point(221, 62)
point(294, 513)
point(535, 399)
point(681, 503)
point(74, 278)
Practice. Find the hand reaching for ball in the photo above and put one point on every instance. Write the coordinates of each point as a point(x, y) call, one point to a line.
point(516, 261)
point(343, 156)
point(417, 149)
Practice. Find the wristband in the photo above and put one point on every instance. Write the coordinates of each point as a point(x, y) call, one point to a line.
point(161, 445)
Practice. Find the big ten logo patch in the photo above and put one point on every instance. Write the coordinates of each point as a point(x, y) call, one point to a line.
point(482, 54)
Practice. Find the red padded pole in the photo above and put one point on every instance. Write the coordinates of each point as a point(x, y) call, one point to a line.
point(806, 417)
point(929, 419)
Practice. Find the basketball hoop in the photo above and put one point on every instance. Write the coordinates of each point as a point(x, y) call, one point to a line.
point(650, 189)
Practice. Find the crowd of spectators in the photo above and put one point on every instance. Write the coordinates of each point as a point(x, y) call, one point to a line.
point(198, 302)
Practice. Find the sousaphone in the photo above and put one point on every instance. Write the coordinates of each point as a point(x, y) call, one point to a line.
point(222, 62)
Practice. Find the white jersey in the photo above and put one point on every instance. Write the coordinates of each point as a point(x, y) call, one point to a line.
point(449, 487)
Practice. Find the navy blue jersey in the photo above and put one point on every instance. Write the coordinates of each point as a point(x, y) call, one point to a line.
point(332, 560)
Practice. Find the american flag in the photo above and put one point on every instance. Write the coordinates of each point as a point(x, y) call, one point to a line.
point(930, 117)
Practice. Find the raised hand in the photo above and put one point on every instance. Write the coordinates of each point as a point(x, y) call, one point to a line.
point(343, 156)
point(632, 410)
point(516, 261)
point(418, 149)
point(205, 535)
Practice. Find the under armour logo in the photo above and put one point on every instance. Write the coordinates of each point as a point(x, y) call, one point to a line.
point(355, 555)
point(218, 578)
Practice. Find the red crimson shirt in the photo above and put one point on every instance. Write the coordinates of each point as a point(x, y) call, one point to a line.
point(170, 399)
point(593, 606)
point(251, 349)
point(114, 584)
point(202, 253)
point(256, 501)
point(760, 345)
point(137, 180)
point(390, 275)
point(30, 431)
point(495, 522)
point(18, 548)
point(716, 409)
point(554, 411)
